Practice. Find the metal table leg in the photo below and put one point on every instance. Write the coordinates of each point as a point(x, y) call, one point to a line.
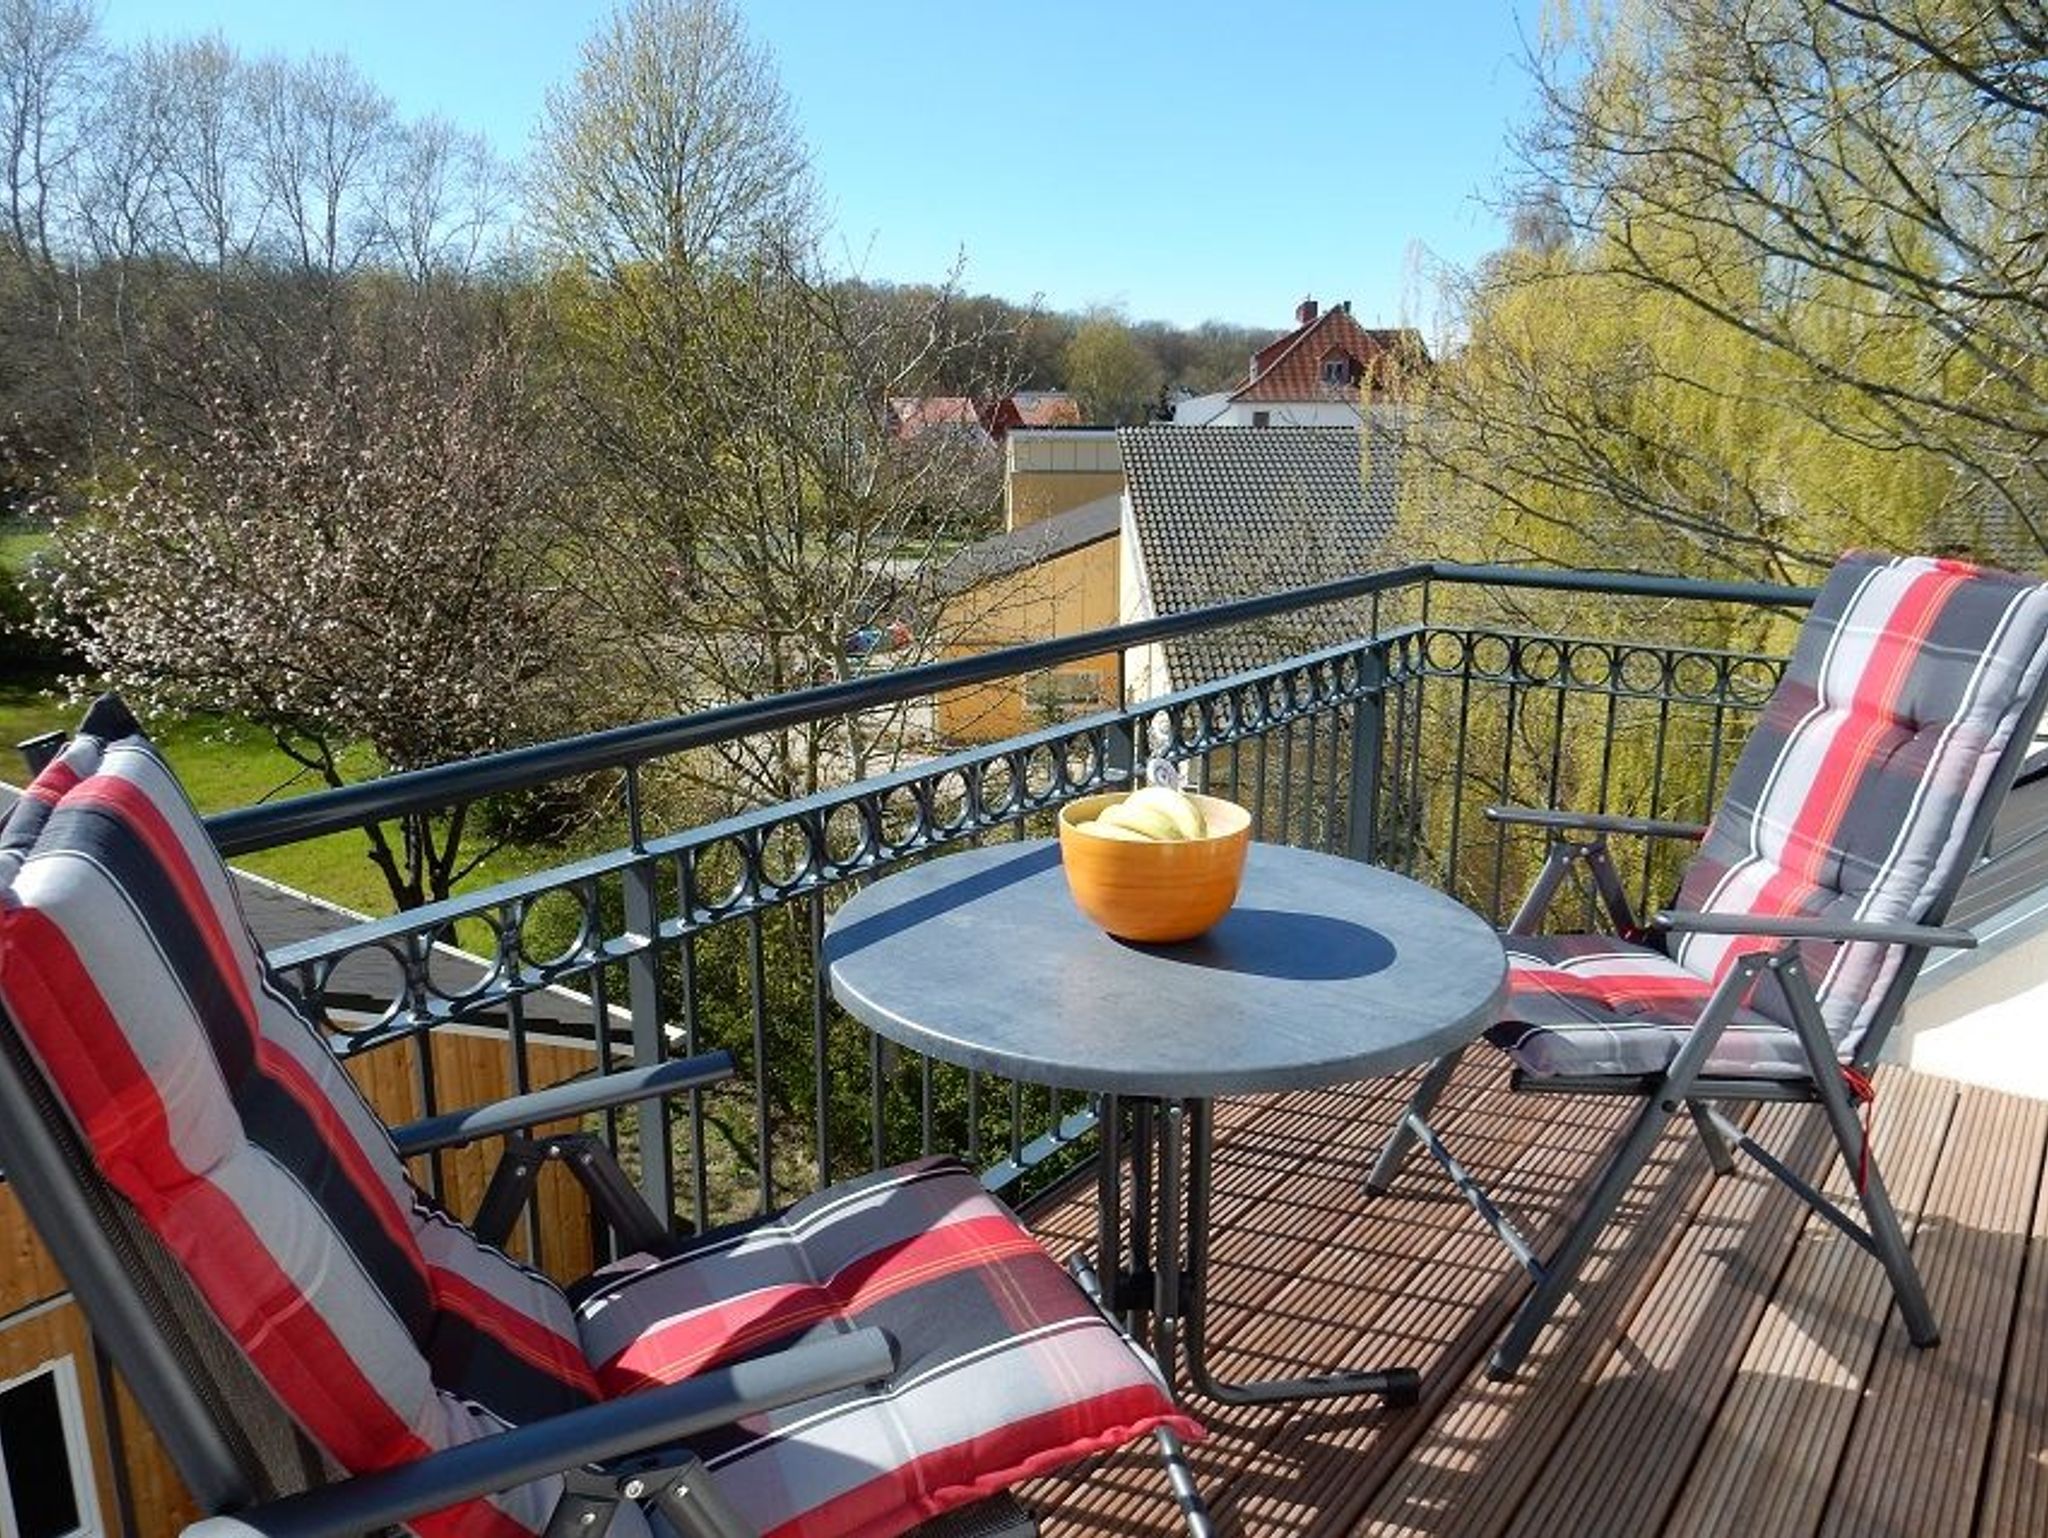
point(1127, 1287)
point(1109, 1193)
point(1135, 1287)
point(1167, 1296)
point(1399, 1386)
point(1126, 1298)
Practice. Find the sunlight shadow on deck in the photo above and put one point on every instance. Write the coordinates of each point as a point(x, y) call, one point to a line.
point(1726, 1364)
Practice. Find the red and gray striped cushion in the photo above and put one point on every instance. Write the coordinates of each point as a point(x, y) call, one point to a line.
point(1592, 1004)
point(1006, 1370)
point(1854, 795)
point(382, 1325)
point(385, 1329)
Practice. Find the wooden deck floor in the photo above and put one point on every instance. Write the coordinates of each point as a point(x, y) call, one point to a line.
point(1728, 1364)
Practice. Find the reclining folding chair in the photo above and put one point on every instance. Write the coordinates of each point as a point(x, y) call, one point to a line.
point(1852, 815)
point(325, 1351)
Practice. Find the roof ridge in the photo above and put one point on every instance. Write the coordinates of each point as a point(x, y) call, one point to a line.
point(1302, 333)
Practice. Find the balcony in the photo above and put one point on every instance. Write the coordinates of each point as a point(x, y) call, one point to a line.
point(1727, 1365)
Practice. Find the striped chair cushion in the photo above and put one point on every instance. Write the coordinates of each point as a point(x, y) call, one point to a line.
point(1591, 1004)
point(1007, 1370)
point(384, 1329)
point(1853, 796)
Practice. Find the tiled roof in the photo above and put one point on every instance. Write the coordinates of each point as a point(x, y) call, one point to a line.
point(1075, 529)
point(1291, 368)
point(1231, 512)
point(910, 415)
point(1988, 529)
point(1046, 408)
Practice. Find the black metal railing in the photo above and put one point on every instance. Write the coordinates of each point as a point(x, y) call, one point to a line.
point(1385, 746)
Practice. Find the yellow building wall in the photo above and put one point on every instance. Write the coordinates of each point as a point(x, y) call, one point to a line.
point(1055, 472)
point(1034, 495)
point(1064, 596)
point(39, 1323)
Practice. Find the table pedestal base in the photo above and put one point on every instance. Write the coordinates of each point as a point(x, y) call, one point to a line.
point(1162, 1297)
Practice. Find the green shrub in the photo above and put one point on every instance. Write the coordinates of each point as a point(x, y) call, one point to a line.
point(26, 652)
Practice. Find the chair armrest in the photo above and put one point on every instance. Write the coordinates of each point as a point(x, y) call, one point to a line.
point(576, 1098)
point(636, 1423)
point(1594, 822)
point(1810, 927)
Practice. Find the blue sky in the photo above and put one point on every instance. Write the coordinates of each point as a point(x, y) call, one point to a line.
point(1185, 162)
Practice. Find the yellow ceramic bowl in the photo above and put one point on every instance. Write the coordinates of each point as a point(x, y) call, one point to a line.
point(1155, 891)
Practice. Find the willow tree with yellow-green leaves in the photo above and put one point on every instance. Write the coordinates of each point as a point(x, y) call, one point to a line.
point(1778, 288)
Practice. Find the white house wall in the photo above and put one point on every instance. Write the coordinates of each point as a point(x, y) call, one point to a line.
point(1200, 410)
point(1145, 675)
point(1982, 1016)
point(1221, 411)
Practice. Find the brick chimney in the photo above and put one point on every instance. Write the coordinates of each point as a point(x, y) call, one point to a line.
point(1305, 312)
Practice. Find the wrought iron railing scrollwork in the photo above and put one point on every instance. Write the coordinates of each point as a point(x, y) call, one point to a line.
point(1385, 747)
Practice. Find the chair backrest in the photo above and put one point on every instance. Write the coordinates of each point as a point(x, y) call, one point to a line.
point(142, 1021)
point(1871, 782)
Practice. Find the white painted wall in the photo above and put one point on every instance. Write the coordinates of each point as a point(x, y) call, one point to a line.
point(1221, 411)
point(1200, 410)
point(1982, 1016)
point(1145, 674)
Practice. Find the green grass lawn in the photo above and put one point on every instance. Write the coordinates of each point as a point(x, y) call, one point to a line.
point(226, 764)
point(17, 544)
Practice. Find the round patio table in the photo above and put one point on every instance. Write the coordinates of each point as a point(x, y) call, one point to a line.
point(1326, 970)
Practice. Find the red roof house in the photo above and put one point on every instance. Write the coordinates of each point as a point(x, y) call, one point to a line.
point(1320, 374)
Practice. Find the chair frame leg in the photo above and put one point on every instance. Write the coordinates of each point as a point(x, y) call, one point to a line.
point(1887, 1237)
point(1557, 1271)
point(683, 1491)
point(1173, 1457)
point(1561, 1268)
point(1412, 1124)
point(1884, 1236)
point(1558, 860)
point(1719, 1152)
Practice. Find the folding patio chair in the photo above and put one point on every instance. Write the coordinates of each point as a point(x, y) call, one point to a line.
point(1856, 808)
point(325, 1351)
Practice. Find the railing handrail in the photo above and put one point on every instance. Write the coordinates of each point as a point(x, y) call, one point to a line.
point(265, 826)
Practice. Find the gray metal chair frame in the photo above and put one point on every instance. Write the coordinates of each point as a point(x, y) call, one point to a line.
point(1579, 841)
point(243, 1460)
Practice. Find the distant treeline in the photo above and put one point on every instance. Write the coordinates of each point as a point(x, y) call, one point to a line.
point(179, 202)
point(348, 427)
point(1040, 345)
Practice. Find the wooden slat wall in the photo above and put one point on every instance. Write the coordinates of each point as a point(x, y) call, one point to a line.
point(39, 1323)
point(50, 1333)
point(475, 1069)
point(27, 1274)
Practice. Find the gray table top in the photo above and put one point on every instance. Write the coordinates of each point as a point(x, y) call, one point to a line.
point(1326, 970)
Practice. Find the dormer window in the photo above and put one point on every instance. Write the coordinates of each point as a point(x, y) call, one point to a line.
point(1336, 370)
